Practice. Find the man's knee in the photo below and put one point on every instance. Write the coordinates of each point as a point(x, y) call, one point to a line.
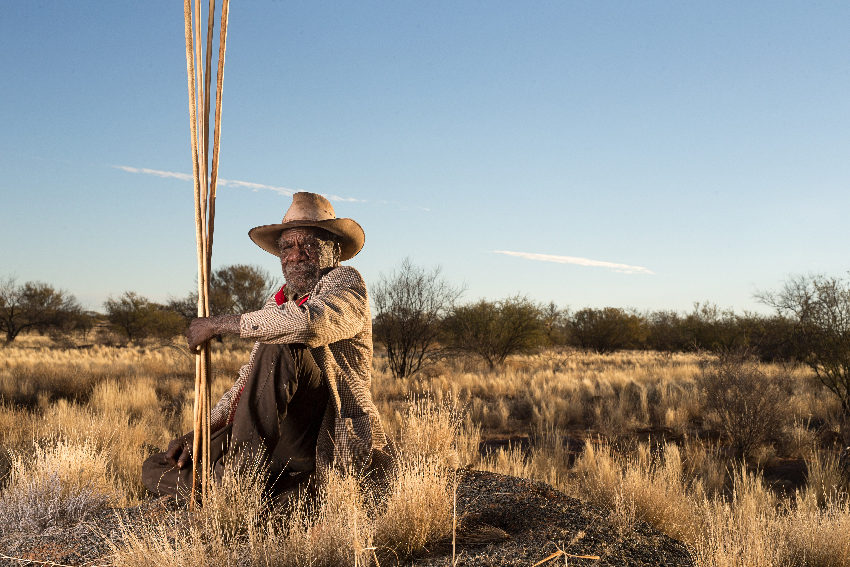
point(306, 371)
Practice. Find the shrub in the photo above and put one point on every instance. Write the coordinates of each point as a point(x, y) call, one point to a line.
point(496, 330)
point(556, 324)
point(606, 330)
point(710, 328)
point(36, 305)
point(747, 405)
point(665, 331)
point(771, 339)
point(138, 318)
point(234, 289)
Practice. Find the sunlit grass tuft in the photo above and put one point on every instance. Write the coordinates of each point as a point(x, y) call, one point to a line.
point(57, 483)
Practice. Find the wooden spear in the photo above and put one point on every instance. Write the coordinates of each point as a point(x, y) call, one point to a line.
point(204, 191)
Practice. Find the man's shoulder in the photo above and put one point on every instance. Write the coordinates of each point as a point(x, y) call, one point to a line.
point(343, 275)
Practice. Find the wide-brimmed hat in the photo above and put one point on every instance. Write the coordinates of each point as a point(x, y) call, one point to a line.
point(310, 209)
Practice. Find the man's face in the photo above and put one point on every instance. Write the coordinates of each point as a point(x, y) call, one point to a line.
point(304, 253)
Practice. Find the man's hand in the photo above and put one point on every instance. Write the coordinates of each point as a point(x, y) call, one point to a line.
point(203, 329)
point(180, 450)
point(200, 331)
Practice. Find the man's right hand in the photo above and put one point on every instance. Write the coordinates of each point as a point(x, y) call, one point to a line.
point(200, 330)
point(180, 450)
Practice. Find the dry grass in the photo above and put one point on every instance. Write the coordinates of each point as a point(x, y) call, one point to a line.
point(653, 451)
point(339, 526)
point(752, 527)
point(816, 533)
point(683, 480)
point(230, 513)
point(643, 486)
point(745, 530)
point(418, 509)
point(125, 402)
point(56, 483)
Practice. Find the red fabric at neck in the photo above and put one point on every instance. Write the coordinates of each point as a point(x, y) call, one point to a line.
point(280, 297)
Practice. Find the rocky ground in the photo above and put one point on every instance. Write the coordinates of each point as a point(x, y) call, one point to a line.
point(514, 521)
point(503, 521)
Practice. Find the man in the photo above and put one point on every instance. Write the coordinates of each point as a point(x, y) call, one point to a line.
point(302, 403)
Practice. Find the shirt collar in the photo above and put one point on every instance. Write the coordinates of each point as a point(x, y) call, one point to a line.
point(280, 297)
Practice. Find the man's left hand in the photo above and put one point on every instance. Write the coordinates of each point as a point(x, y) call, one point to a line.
point(200, 331)
point(180, 450)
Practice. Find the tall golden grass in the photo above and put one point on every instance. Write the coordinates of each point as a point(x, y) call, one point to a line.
point(338, 526)
point(651, 453)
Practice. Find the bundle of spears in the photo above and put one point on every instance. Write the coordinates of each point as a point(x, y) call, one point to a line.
point(205, 169)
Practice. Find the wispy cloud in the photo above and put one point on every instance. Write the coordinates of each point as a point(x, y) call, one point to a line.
point(622, 268)
point(155, 172)
point(285, 191)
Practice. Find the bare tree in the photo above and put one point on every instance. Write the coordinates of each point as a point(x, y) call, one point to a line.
point(820, 308)
point(34, 305)
point(496, 330)
point(409, 306)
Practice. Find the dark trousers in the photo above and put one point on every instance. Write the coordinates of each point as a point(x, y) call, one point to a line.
point(277, 422)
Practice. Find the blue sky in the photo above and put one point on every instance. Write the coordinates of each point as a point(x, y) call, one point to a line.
point(702, 148)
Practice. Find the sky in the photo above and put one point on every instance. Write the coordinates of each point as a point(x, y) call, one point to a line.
point(632, 154)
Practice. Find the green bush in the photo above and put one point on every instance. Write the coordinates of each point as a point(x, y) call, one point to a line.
point(607, 330)
point(138, 318)
point(495, 330)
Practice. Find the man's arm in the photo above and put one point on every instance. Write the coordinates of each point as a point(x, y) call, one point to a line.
point(336, 310)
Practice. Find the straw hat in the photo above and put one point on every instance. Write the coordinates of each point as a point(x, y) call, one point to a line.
point(310, 209)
